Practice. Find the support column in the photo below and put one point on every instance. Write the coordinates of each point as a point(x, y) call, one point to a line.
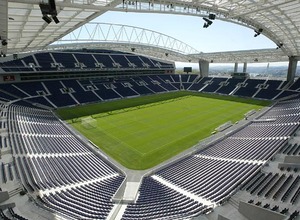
point(203, 68)
point(236, 66)
point(245, 67)
point(4, 24)
point(292, 68)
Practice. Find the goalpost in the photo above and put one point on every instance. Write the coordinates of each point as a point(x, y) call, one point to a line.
point(89, 122)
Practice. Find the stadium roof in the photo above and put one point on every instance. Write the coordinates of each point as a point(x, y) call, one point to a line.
point(22, 26)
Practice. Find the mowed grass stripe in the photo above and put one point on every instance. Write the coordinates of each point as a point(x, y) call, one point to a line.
point(144, 136)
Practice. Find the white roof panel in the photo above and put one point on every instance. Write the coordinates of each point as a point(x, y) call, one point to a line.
point(279, 19)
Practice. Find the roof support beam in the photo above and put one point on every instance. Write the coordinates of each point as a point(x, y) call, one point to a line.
point(203, 68)
point(261, 9)
point(292, 68)
point(68, 4)
point(3, 25)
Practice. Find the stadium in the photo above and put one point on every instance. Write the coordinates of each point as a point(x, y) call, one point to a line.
point(107, 129)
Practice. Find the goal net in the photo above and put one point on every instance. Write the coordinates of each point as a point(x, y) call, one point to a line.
point(89, 122)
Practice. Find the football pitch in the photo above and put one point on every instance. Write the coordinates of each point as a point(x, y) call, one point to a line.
point(146, 133)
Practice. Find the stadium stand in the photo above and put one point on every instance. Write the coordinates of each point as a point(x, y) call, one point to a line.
point(215, 173)
point(157, 201)
point(91, 201)
point(213, 86)
point(269, 90)
point(45, 62)
point(140, 87)
point(199, 84)
point(295, 85)
point(79, 60)
point(79, 93)
point(49, 157)
point(67, 177)
point(249, 87)
point(60, 93)
point(229, 86)
point(153, 85)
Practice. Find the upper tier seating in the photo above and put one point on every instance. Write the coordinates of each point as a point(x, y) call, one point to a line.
point(45, 62)
point(80, 60)
point(66, 59)
point(14, 66)
point(135, 61)
point(86, 60)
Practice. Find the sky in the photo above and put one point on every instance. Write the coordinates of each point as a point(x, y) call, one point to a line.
point(220, 36)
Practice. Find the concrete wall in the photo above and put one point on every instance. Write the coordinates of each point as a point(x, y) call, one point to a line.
point(221, 217)
point(203, 68)
point(4, 196)
point(253, 212)
point(292, 159)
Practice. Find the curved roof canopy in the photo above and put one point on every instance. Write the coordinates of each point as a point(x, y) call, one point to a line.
point(22, 26)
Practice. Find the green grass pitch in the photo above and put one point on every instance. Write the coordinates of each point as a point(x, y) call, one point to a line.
point(143, 132)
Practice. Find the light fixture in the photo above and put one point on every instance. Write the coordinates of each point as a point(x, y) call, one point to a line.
point(279, 45)
point(55, 19)
point(49, 9)
point(258, 32)
point(212, 16)
point(4, 42)
point(47, 18)
point(207, 23)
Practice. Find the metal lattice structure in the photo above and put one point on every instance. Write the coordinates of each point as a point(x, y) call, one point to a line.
point(279, 20)
point(127, 39)
point(249, 56)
